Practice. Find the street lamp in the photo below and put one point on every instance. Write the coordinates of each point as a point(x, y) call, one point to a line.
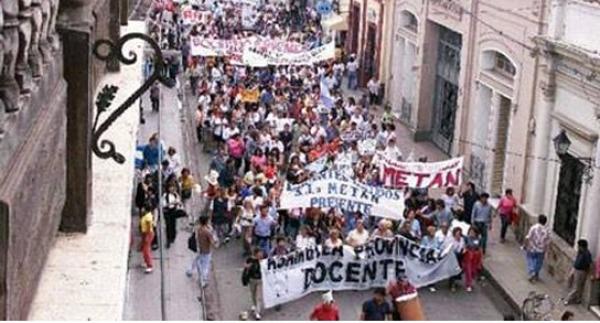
point(562, 143)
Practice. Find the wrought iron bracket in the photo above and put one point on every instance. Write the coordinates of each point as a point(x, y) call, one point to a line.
point(106, 50)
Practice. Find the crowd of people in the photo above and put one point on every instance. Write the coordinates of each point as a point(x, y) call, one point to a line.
point(300, 117)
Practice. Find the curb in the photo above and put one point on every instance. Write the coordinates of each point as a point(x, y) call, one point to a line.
point(515, 306)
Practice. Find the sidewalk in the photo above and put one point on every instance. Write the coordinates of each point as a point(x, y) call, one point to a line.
point(505, 264)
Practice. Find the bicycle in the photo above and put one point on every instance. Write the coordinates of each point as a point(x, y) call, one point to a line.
point(537, 307)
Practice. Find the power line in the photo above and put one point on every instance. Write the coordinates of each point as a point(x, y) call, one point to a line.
point(520, 155)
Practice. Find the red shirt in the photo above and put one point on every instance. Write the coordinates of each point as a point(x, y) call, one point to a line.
point(325, 313)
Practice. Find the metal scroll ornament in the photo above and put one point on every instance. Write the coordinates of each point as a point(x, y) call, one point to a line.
point(107, 50)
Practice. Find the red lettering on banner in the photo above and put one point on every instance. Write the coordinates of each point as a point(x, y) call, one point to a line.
point(453, 179)
point(438, 181)
point(400, 181)
point(420, 177)
point(389, 173)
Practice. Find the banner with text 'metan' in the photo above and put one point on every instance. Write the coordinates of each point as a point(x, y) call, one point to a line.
point(400, 175)
point(335, 190)
point(287, 278)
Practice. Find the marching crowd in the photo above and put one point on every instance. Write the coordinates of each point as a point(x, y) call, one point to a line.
point(300, 118)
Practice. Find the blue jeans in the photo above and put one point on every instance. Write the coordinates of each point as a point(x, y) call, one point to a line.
point(535, 260)
point(482, 227)
point(203, 267)
point(264, 244)
point(352, 80)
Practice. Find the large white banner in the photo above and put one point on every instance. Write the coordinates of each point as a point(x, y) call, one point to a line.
point(334, 190)
point(400, 175)
point(257, 57)
point(261, 51)
point(201, 46)
point(287, 278)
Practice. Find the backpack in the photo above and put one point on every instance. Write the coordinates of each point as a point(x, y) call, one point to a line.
point(245, 277)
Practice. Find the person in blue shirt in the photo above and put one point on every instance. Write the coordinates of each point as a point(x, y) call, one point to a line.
point(152, 151)
point(263, 229)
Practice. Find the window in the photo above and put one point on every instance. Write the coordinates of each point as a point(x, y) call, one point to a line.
point(568, 196)
point(409, 21)
point(503, 66)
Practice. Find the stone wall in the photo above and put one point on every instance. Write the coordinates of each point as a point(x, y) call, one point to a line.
point(46, 111)
point(32, 147)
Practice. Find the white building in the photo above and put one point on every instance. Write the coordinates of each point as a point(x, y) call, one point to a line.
point(567, 187)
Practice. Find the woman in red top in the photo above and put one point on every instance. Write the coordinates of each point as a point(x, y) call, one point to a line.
point(506, 208)
point(327, 310)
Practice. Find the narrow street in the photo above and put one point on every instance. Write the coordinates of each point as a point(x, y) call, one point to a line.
point(225, 297)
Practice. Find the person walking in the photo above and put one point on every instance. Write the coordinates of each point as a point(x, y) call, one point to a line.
point(377, 308)
point(352, 69)
point(535, 244)
point(171, 204)
point(481, 218)
point(470, 197)
point(327, 310)
point(155, 96)
point(506, 209)
point(472, 257)
point(579, 272)
point(205, 243)
point(251, 277)
point(147, 230)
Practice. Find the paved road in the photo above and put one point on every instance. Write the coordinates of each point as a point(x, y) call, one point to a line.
point(226, 297)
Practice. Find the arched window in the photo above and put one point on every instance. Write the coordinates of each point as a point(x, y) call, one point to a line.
point(409, 21)
point(498, 63)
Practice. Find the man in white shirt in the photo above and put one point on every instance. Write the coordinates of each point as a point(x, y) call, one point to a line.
point(352, 68)
point(374, 88)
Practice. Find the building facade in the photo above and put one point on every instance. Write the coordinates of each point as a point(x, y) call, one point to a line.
point(495, 82)
point(567, 187)
point(47, 81)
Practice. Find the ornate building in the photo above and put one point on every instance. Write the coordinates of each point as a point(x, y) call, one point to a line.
point(47, 81)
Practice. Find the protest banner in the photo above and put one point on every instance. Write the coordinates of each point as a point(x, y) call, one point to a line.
point(400, 175)
point(250, 95)
point(191, 16)
point(234, 49)
point(334, 190)
point(257, 57)
point(318, 165)
point(289, 277)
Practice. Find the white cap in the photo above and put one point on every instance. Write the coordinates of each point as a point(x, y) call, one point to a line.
point(327, 297)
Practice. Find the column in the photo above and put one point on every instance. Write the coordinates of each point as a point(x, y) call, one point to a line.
point(75, 24)
point(542, 140)
point(590, 228)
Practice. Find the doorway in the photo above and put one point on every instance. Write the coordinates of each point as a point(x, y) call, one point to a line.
point(369, 65)
point(501, 145)
point(446, 88)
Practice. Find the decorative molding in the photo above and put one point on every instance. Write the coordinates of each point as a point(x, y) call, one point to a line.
point(449, 7)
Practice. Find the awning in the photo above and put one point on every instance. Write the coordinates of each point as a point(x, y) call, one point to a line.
point(335, 22)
